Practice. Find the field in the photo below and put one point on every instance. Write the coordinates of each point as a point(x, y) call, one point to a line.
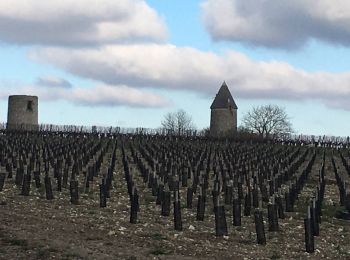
point(91, 196)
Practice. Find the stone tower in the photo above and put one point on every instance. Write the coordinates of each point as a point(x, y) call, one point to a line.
point(22, 112)
point(223, 120)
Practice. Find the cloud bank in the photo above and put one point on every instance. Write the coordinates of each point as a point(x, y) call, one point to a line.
point(79, 22)
point(282, 24)
point(52, 81)
point(171, 67)
point(122, 44)
point(102, 95)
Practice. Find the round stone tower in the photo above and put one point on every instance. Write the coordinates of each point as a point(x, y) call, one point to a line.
point(223, 120)
point(22, 112)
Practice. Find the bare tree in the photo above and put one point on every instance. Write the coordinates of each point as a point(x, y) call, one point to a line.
point(178, 122)
point(268, 121)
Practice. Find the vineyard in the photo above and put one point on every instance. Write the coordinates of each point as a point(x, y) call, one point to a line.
point(76, 195)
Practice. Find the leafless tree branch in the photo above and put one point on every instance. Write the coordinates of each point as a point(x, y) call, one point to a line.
point(268, 121)
point(178, 122)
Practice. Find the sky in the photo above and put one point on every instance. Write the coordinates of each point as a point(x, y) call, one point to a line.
point(129, 62)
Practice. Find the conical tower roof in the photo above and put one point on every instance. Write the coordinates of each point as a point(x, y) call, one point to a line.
point(223, 98)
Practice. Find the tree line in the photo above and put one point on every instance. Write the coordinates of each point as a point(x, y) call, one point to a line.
point(267, 121)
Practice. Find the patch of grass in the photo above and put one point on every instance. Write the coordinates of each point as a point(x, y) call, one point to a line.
point(328, 211)
point(302, 204)
point(94, 238)
point(159, 251)
point(69, 256)
point(81, 190)
point(16, 242)
point(43, 253)
point(275, 255)
point(148, 199)
point(41, 189)
point(239, 228)
point(342, 251)
point(157, 236)
point(91, 194)
point(245, 241)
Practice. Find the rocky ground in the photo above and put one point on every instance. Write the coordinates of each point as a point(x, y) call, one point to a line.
point(34, 228)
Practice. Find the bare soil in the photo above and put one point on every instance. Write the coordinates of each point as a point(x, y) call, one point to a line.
point(33, 228)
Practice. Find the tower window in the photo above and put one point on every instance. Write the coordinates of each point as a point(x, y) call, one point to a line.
point(30, 105)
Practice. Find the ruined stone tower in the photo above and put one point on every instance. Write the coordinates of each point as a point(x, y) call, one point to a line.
point(22, 112)
point(223, 120)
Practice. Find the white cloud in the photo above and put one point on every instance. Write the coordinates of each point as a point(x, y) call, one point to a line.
point(120, 95)
point(52, 81)
point(171, 67)
point(147, 65)
point(102, 95)
point(282, 23)
point(79, 22)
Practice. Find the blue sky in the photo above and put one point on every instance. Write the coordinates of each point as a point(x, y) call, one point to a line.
point(156, 56)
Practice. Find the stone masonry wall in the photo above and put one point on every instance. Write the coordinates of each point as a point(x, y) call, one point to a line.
point(22, 112)
point(223, 121)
